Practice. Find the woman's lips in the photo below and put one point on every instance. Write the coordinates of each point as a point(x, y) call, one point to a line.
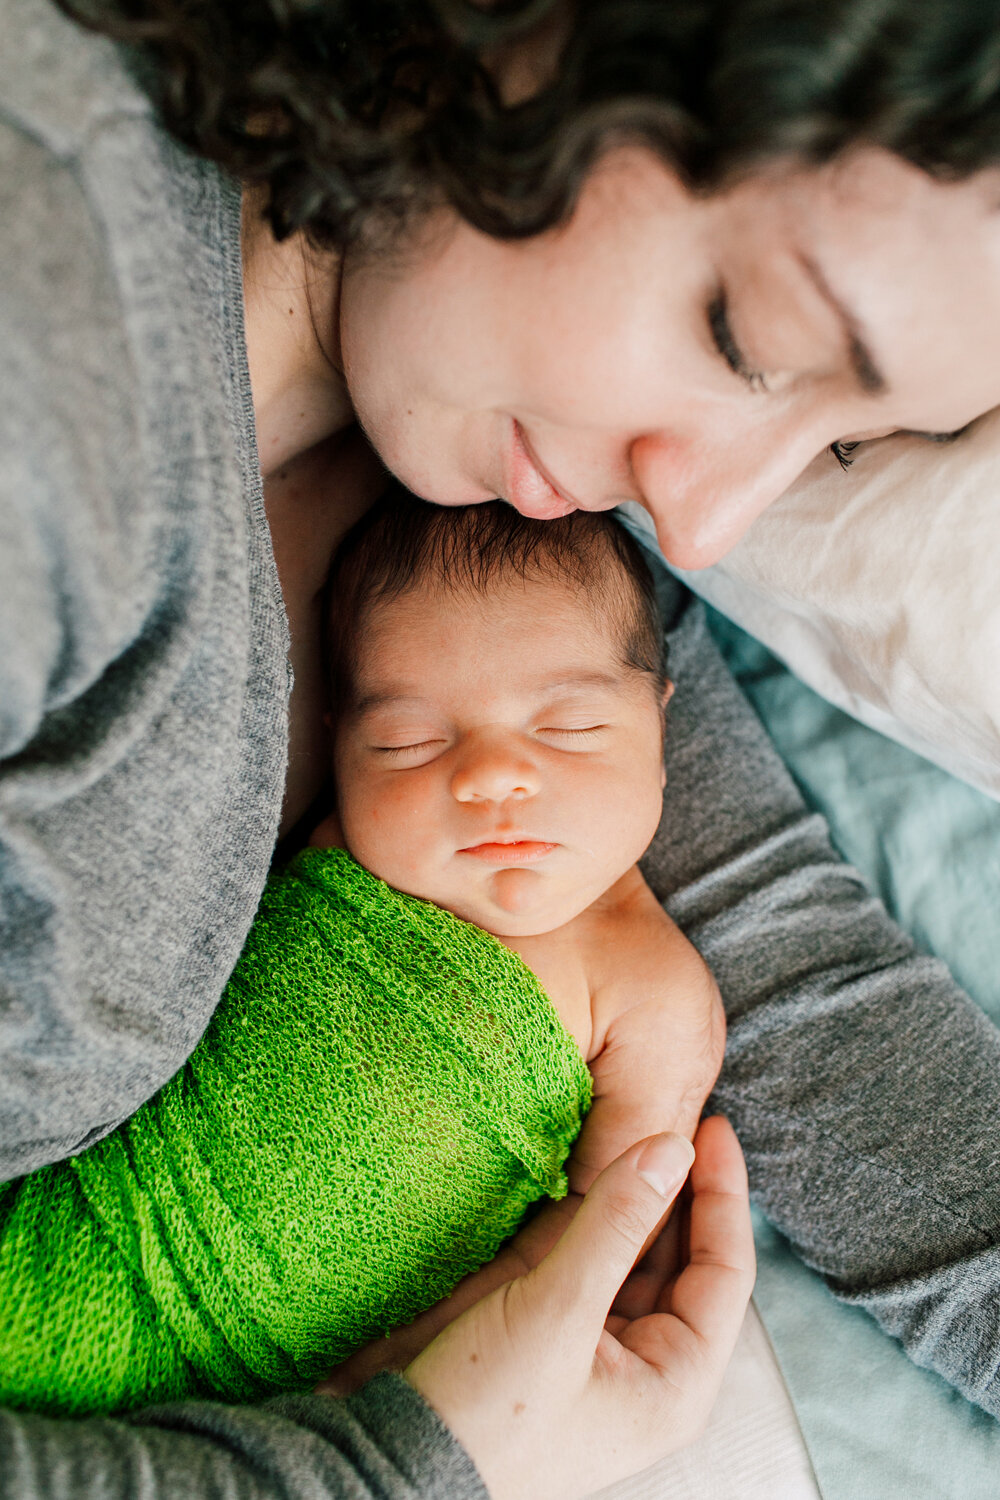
point(529, 490)
point(517, 852)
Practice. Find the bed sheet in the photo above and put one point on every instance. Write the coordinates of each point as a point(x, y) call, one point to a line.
point(877, 1428)
point(752, 1448)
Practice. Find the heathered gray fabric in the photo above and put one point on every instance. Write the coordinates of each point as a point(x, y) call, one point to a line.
point(142, 730)
point(384, 1443)
point(143, 677)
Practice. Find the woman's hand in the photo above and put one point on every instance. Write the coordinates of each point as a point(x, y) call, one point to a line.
point(548, 1400)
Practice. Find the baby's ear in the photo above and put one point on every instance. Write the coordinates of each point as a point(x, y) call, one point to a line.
point(668, 693)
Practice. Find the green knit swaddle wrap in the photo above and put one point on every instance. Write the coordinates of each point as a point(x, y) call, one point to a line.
point(382, 1092)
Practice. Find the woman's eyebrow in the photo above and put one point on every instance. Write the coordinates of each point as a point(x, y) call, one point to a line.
point(941, 437)
point(863, 363)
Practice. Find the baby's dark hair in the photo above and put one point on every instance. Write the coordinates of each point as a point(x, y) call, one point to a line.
point(403, 540)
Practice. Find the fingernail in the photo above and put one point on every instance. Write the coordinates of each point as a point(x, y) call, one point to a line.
point(665, 1163)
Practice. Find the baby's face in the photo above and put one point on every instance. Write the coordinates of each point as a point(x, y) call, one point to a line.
point(499, 760)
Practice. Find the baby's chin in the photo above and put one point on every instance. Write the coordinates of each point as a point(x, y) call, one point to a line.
point(516, 903)
point(511, 903)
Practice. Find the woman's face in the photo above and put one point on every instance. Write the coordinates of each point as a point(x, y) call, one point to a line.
point(693, 354)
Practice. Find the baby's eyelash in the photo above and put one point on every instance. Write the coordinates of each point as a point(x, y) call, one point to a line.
point(843, 453)
point(403, 749)
point(592, 729)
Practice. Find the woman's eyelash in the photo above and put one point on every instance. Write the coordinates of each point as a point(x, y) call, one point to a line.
point(722, 337)
point(843, 452)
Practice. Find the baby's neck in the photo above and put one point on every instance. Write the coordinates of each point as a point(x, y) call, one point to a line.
point(556, 960)
point(553, 957)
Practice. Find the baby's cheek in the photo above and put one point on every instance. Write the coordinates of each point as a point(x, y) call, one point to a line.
point(385, 829)
point(366, 816)
point(629, 815)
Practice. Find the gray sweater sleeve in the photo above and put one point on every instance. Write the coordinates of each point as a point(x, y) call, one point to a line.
point(143, 672)
point(384, 1443)
point(863, 1083)
point(68, 575)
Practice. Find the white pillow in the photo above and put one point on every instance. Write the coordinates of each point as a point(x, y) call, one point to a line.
point(880, 587)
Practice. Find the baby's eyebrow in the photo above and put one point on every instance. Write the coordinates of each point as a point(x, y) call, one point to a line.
point(390, 698)
point(563, 681)
point(539, 687)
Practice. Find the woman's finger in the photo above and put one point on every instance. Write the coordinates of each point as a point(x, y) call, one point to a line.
point(585, 1270)
point(711, 1293)
point(535, 1358)
point(648, 1283)
point(402, 1345)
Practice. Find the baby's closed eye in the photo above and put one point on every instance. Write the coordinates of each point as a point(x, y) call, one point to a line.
point(414, 747)
point(572, 732)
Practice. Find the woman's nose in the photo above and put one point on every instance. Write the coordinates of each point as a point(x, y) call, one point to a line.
point(704, 499)
point(494, 770)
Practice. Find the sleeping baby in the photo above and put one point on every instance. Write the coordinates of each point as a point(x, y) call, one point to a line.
point(397, 1069)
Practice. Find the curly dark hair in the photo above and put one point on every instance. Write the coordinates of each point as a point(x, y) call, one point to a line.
point(354, 112)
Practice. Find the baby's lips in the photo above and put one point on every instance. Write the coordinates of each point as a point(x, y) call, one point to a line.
point(508, 851)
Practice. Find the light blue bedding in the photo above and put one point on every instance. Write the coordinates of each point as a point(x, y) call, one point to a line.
point(878, 1428)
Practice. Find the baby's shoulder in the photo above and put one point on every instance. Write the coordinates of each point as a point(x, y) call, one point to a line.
point(558, 963)
point(646, 981)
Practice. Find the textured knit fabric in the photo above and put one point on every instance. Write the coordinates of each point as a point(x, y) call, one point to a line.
point(381, 1094)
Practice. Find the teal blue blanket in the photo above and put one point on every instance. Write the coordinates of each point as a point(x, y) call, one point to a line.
point(878, 1428)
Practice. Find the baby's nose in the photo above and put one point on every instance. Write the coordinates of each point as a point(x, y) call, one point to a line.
point(494, 772)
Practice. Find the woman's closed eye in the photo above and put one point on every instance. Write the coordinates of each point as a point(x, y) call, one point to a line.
point(725, 342)
point(843, 451)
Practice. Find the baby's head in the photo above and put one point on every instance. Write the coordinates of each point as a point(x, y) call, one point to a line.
point(499, 689)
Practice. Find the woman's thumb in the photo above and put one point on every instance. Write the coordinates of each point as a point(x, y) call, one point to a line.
point(614, 1221)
